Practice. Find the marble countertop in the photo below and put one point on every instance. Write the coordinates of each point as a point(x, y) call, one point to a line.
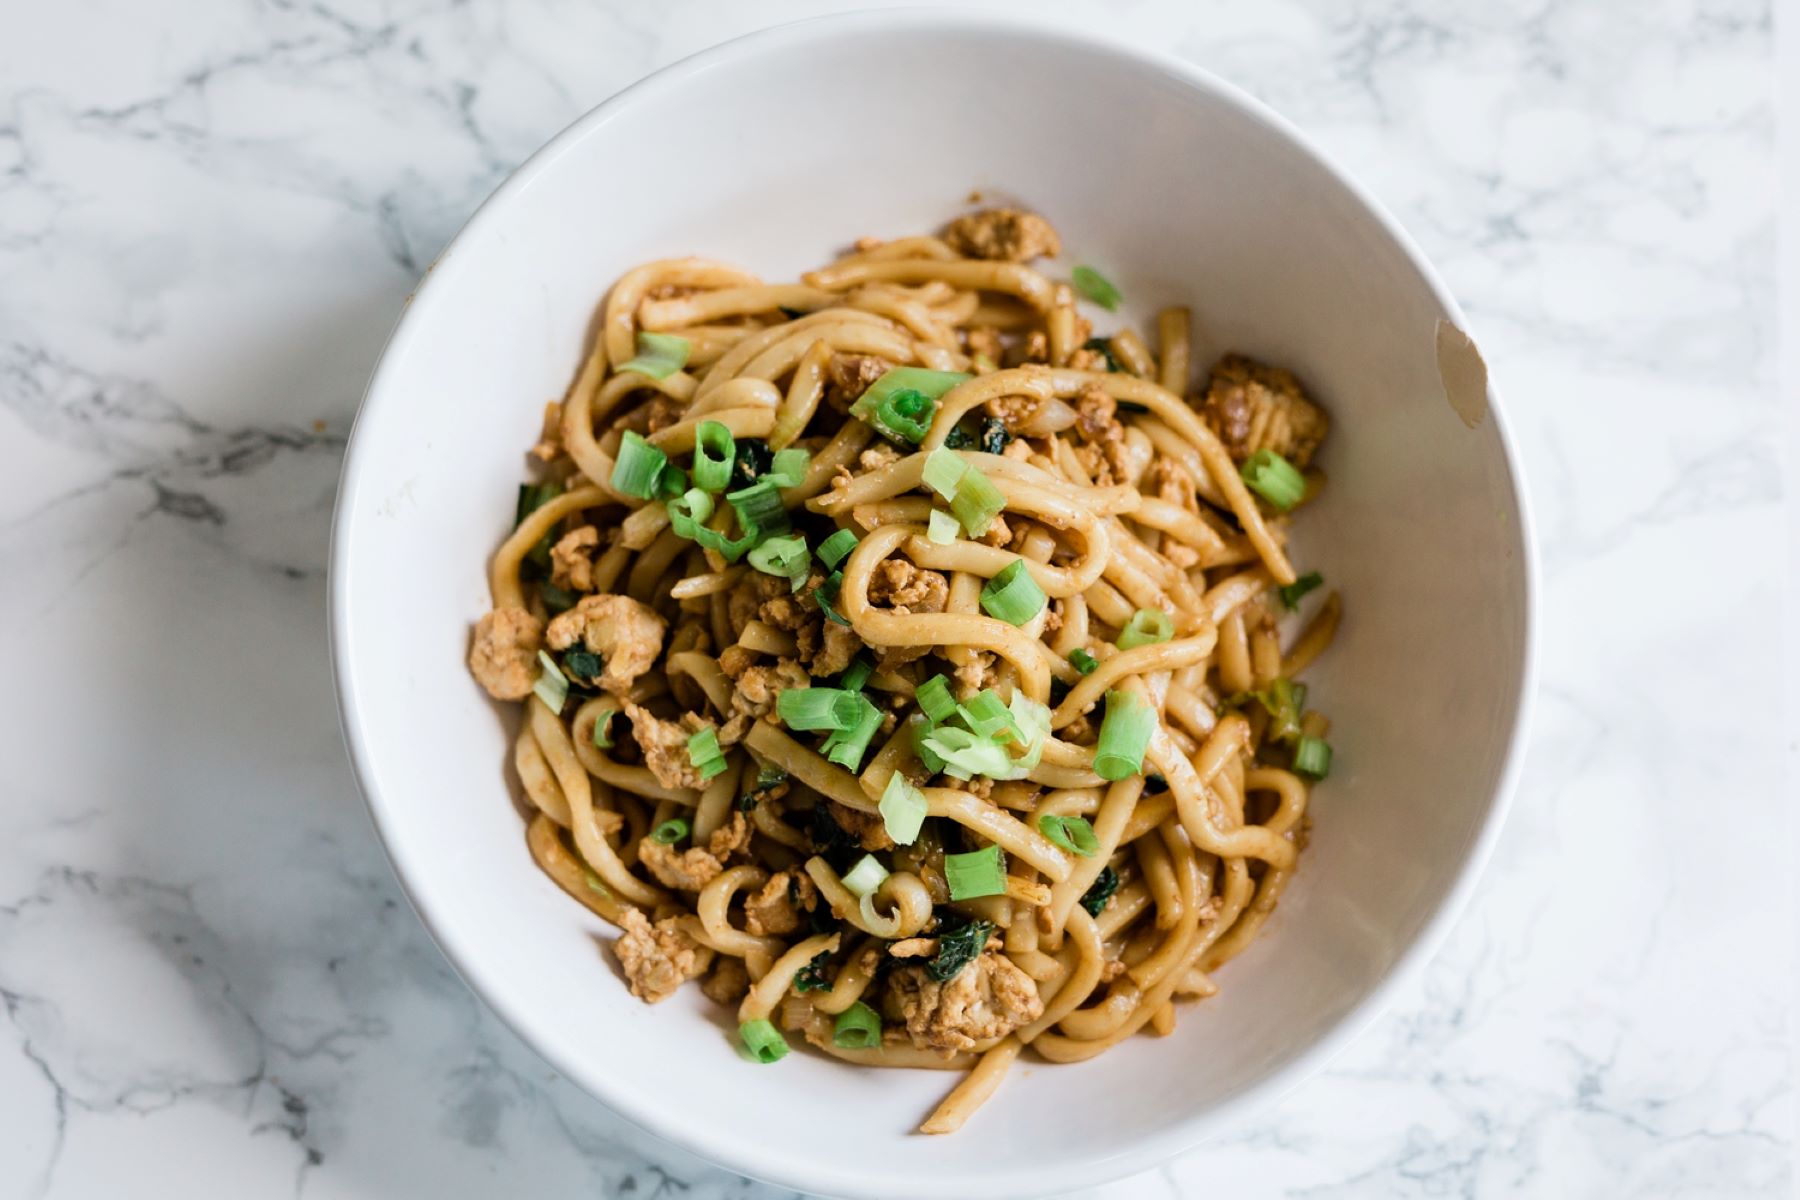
point(211, 984)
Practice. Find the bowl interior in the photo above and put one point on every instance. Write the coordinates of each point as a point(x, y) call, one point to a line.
point(774, 153)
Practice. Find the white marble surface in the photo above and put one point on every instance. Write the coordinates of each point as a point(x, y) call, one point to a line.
point(209, 215)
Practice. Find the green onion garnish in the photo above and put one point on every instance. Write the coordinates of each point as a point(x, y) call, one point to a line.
point(922, 730)
point(818, 708)
point(552, 686)
point(856, 674)
point(689, 511)
point(763, 1041)
point(789, 467)
point(1082, 661)
point(704, 753)
point(1073, 834)
point(902, 809)
point(759, 507)
point(827, 593)
point(659, 355)
point(865, 876)
point(1290, 593)
point(640, 467)
point(934, 699)
point(1312, 756)
point(1013, 595)
point(1286, 702)
point(987, 715)
point(786, 556)
point(943, 528)
point(1273, 478)
point(857, 1028)
point(714, 452)
point(1124, 735)
point(836, 548)
point(845, 747)
point(731, 548)
point(603, 728)
point(674, 481)
point(533, 496)
point(942, 471)
point(1146, 627)
point(901, 403)
point(975, 874)
point(1096, 287)
point(670, 831)
point(976, 502)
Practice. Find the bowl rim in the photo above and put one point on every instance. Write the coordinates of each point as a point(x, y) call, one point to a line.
point(1008, 1179)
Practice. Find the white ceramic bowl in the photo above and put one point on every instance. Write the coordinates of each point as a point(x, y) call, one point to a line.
point(775, 151)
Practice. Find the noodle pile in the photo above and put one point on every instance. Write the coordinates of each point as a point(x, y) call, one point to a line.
point(903, 662)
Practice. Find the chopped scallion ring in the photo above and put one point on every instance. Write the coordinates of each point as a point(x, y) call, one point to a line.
point(942, 471)
point(1312, 756)
point(865, 876)
point(1073, 834)
point(759, 507)
point(688, 512)
point(857, 1028)
point(786, 556)
point(942, 529)
point(976, 502)
point(818, 708)
point(1146, 627)
point(1096, 287)
point(763, 1041)
point(856, 674)
point(1082, 661)
point(901, 403)
point(670, 831)
point(903, 809)
point(602, 729)
point(976, 874)
point(836, 548)
point(704, 753)
point(934, 699)
point(1124, 735)
point(988, 716)
point(638, 471)
point(714, 452)
point(789, 467)
point(1290, 593)
point(1273, 478)
point(659, 355)
point(845, 747)
point(552, 686)
point(1013, 595)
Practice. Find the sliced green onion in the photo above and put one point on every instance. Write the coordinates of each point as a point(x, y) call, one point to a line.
point(1082, 661)
point(1073, 834)
point(688, 512)
point(674, 481)
point(1146, 627)
point(670, 831)
point(966, 754)
point(934, 699)
point(1286, 702)
point(659, 355)
point(865, 876)
point(827, 593)
point(731, 549)
point(921, 730)
point(603, 739)
point(639, 468)
point(759, 507)
point(1312, 756)
point(818, 708)
point(975, 874)
point(845, 747)
point(1273, 478)
point(902, 809)
point(1124, 735)
point(901, 403)
point(834, 549)
point(789, 468)
point(533, 496)
point(786, 556)
point(763, 1041)
point(988, 716)
point(1013, 595)
point(552, 686)
point(857, 1028)
point(1290, 593)
point(714, 452)
point(856, 674)
point(943, 528)
point(942, 471)
point(704, 753)
point(976, 502)
point(1096, 287)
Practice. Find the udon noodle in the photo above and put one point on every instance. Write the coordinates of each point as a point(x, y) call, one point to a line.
point(905, 662)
